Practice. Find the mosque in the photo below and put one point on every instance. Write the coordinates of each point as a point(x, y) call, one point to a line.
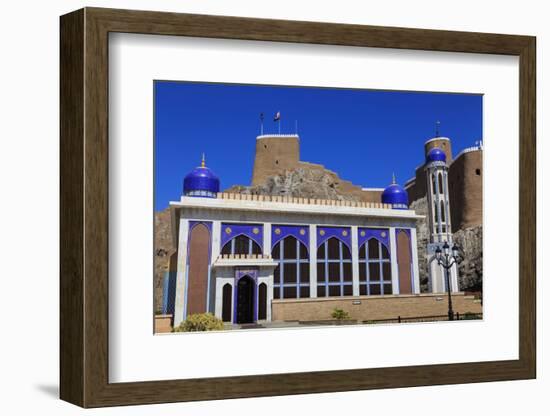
point(257, 259)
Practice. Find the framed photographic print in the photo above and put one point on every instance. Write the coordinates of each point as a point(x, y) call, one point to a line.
point(256, 207)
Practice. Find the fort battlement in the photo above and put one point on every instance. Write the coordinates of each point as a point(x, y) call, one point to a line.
point(311, 201)
point(265, 136)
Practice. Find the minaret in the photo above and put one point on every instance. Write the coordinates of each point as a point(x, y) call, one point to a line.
point(439, 212)
point(439, 218)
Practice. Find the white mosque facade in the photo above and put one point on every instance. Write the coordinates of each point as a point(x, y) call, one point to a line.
point(251, 259)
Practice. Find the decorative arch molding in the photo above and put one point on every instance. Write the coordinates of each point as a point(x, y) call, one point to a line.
point(253, 231)
point(192, 225)
point(241, 244)
point(341, 233)
point(300, 232)
point(381, 234)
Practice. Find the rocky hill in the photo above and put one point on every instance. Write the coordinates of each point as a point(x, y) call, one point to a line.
point(300, 183)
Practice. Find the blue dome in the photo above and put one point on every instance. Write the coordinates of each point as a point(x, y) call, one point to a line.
point(436, 155)
point(396, 196)
point(201, 181)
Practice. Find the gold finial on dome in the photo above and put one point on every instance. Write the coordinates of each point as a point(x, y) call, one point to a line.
point(203, 162)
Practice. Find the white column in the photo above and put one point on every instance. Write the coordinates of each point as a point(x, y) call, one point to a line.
point(216, 240)
point(267, 239)
point(432, 225)
point(438, 204)
point(313, 261)
point(437, 277)
point(414, 251)
point(219, 298)
point(269, 298)
point(393, 258)
point(454, 278)
point(355, 259)
point(266, 276)
point(179, 304)
point(447, 205)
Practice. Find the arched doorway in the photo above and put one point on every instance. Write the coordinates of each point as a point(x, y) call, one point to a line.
point(226, 302)
point(245, 300)
point(262, 301)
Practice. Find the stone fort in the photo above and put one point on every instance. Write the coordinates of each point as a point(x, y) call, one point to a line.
point(278, 154)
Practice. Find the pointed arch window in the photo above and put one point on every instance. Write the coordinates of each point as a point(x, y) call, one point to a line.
point(291, 276)
point(334, 271)
point(442, 211)
point(440, 183)
point(374, 268)
point(241, 244)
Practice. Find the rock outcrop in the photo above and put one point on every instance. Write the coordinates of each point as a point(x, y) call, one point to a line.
point(469, 239)
point(163, 250)
point(471, 269)
point(301, 183)
point(421, 208)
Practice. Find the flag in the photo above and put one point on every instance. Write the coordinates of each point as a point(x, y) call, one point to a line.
point(277, 116)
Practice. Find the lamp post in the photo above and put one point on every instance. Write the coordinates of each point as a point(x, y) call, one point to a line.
point(447, 260)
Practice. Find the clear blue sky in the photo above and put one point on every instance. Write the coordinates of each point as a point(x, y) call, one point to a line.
point(363, 135)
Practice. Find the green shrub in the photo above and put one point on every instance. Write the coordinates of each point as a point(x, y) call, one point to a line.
point(340, 314)
point(200, 322)
point(470, 315)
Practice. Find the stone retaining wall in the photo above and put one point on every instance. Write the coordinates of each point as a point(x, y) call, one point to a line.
point(365, 308)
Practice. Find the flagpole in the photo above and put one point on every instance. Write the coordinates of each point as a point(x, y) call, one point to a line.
point(261, 124)
point(279, 125)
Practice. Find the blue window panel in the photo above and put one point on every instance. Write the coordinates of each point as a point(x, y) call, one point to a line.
point(288, 282)
point(374, 268)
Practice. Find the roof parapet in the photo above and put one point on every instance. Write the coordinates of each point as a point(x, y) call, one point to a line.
point(310, 201)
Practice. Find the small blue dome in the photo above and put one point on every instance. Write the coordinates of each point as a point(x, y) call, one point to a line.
point(201, 181)
point(436, 155)
point(396, 196)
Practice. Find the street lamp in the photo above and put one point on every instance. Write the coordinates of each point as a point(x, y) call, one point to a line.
point(447, 260)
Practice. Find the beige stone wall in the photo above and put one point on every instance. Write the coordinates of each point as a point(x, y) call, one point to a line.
point(163, 324)
point(372, 307)
point(417, 188)
point(466, 190)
